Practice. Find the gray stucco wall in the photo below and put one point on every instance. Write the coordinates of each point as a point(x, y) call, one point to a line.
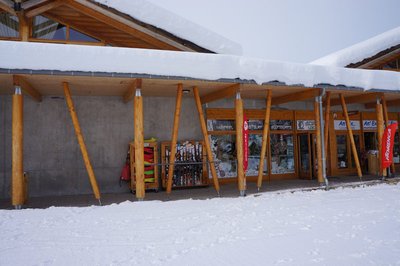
point(52, 156)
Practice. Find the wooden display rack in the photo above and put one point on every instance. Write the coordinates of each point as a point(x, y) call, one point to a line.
point(154, 184)
point(186, 179)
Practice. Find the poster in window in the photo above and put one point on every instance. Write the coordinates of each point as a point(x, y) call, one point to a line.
point(224, 152)
point(255, 142)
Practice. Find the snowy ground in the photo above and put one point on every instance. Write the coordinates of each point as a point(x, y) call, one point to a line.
point(358, 226)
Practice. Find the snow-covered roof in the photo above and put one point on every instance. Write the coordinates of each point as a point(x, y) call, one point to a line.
point(360, 51)
point(161, 18)
point(61, 57)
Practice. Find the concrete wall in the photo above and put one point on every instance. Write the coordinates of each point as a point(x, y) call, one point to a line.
point(51, 153)
point(52, 156)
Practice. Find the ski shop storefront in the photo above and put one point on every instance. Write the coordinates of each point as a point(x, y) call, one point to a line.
point(196, 102)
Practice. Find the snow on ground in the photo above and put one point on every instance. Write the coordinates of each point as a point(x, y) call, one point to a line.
point(170, 64)
point(358, 226)
point(362, 50)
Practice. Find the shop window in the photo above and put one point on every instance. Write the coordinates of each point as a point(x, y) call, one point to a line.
point(255, 145)
point(341, 151)
point(396, 152)
point(282, 153)
point(358, 148)
point(370, 141)
point(9, 25)
point(224, 151)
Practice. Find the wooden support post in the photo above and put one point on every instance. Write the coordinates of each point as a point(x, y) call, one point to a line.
point(351, 137)
point(318, 140)
point(17, 196)
point(327, 116)
point(380, 129)
point(206, 139)
point(81, 141)
point(139, 143)
point(23, 27)
point(239, 144)
point(178, 106)
point(385, 113)
point(264, 139)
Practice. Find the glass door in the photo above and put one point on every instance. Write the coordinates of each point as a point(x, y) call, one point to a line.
point(304, 156)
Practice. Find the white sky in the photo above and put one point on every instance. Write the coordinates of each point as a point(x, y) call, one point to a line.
point(291, 30)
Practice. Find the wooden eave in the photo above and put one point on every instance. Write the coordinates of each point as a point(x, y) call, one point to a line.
point(109, 25)
point(379, 59)
point(107, 85)
point(157, 30)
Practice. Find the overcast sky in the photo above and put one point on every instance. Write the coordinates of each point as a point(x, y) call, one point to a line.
point(291, 30)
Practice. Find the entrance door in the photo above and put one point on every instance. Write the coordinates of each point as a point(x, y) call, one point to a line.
point(305, 156)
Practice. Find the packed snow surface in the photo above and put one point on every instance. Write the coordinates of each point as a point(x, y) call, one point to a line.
point(170, 64)
point(164, 19)
point(358, 226)
point(360, 51)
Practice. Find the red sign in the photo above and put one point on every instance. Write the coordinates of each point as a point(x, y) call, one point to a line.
point(245, 143)
point(387, 145)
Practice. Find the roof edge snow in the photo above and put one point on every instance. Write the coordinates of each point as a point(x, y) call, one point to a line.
point(174, 24)
point(26, 56)
point(359, 52)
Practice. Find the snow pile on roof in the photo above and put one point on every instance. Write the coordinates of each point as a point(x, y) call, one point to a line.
point(336, 227)
point(170, 22)
point(45, 56)
point(360, 51)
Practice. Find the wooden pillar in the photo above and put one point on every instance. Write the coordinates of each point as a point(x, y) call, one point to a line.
point(318, 140)
point(326, 125)
point(139, 142)
point(239, 144)
point(385, 113)
point(206, 139)
point(351, 137)
point(264, 139)
point(178, 106)
point(380, 129)
point(17, 197)
point(81, 141)
point(23, 27)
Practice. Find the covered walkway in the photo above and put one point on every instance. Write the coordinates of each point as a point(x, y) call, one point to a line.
point(227, 191)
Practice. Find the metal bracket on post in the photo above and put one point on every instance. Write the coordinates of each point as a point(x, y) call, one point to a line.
point(238, 96)
point(18, 90)
point(321, 119)
point(138, 92)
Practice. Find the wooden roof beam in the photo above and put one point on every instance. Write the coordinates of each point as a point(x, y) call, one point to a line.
point(97, 12)
point(221, 94)
point(371, 105)
point(41, 9)
point(8, 6)
point(361, 98)
point(130, 93)
point(297, 96)
point(32, 3)
point(27, 88)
